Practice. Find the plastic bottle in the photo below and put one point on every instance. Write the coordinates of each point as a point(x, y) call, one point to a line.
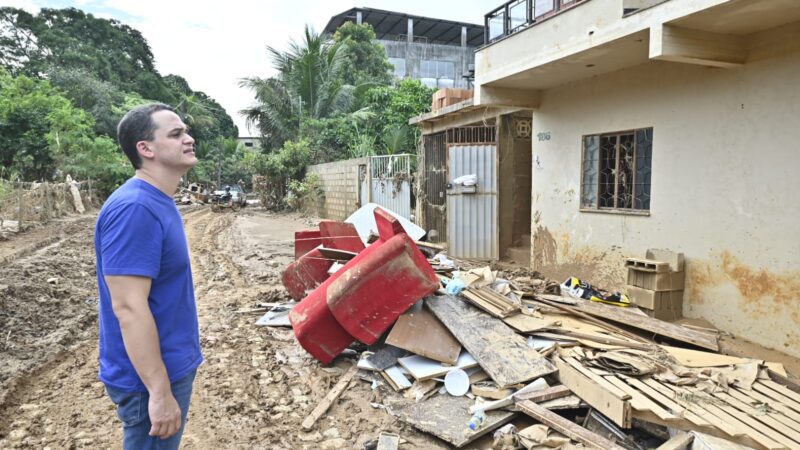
point(476, 422)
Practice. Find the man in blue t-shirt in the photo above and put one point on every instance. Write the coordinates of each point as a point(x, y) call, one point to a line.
point(149, 338)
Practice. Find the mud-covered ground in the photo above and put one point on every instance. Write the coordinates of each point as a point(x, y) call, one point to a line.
point(253, 391)
point(256, 386)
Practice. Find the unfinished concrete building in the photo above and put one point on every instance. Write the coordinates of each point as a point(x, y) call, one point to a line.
point(439, 53)
point(661, 124)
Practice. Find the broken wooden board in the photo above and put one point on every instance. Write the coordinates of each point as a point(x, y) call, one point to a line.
point(550, 393)
point(419, 332)
point(493, 303)
point(695, 358)
point(422, 368)
point(447, 417)
point(680, 441)
point(528, 324)
point(660, 327)
point(334, 394)
point(565, 427)
point(500, 351)
point(597, 392)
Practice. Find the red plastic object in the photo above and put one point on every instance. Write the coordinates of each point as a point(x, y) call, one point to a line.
point(363, 298)
point(306, 274)
point(370, 292)
point(315, 328)
point(340, 235)
point(305, 241)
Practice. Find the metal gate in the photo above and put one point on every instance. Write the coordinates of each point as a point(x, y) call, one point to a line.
point(434, 182)
point(472, 211)
point(391, 183)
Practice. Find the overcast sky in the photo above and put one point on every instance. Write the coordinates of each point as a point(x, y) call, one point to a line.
point(215, 43)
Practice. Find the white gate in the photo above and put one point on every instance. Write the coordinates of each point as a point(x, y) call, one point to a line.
point(391, 183)
point(472, 230)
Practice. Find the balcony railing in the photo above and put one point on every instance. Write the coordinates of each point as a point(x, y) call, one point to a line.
point(519, 14)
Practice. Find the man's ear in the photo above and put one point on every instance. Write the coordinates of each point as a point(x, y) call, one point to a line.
point(144, 149)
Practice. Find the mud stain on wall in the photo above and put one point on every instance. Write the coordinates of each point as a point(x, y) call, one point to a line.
point(545, 248)
point(764, 293)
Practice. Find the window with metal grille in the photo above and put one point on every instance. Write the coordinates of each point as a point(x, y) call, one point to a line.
point(616, 171)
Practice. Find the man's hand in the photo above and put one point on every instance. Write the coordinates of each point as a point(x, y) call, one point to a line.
point(165, 415)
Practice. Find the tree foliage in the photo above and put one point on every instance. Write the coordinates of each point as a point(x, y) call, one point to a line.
point(96, 70)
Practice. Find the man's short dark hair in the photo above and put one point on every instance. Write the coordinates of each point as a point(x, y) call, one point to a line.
point(137, 125)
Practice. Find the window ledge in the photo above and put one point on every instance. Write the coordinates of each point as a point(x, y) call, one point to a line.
point(619, 212)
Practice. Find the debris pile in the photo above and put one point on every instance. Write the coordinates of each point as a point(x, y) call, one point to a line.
point(467, 354)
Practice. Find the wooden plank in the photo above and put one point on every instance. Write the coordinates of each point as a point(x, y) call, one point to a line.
point(771, 420)
point(668, 401)
point(753, 396)
point(544, 395)
point(595, 394)
point(660, 327)
point(326, 402)
point(419, 332)
point(501, 352)
point(680, 441)
point(758, 387)
point(726, 421)
point(597, 379)
point(552, 301)
point(640, 401)
point(446, 417)
point(565, 427)
point(527, 324)
point(782, 390)
point(784, 380)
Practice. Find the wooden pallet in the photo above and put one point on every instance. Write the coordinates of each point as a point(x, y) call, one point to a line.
point(766, 417)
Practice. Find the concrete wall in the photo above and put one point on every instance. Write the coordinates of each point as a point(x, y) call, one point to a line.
point(414, 53)
point(340, 183)
point(724, 188)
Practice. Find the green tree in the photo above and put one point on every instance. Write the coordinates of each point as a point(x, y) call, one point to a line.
point(367, 63)
point(91, 94)
point(43, 136)
point(309, 84)
point(393, 106)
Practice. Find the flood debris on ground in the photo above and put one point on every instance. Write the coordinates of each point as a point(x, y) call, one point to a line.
point(473, 357)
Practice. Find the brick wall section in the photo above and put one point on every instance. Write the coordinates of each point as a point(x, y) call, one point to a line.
point(340, 183)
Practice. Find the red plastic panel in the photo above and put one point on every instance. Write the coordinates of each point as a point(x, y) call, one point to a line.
point(305, 241)
point(340, 235)
point(306, 274)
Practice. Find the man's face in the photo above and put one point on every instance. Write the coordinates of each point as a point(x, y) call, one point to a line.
point(172, 146)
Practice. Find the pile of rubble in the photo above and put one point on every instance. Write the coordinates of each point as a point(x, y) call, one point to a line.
point(465, 354)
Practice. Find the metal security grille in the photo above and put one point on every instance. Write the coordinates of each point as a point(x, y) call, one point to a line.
point(391, 182)
point(616, 170)
point(472, 135)
point(434, 185)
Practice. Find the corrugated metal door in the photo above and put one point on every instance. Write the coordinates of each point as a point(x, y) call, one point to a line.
point(391, 183)
point(472, 229)
point(434, 183)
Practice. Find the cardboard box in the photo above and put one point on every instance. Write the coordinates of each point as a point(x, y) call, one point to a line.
point(656, 300)
point(654, 281)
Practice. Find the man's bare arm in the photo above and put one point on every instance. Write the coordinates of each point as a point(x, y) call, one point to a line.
point(139, 333)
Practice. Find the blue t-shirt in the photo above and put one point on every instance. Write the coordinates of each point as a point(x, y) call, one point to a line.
point(140, 232)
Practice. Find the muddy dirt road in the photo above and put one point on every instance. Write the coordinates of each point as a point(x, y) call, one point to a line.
point(252, 392)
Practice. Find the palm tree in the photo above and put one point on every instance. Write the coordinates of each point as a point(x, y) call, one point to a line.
point(309, 84)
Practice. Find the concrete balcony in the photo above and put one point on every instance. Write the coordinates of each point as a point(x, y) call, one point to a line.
point(594, 37)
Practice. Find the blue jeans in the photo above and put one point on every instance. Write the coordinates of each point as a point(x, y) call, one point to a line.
point(132, 411)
